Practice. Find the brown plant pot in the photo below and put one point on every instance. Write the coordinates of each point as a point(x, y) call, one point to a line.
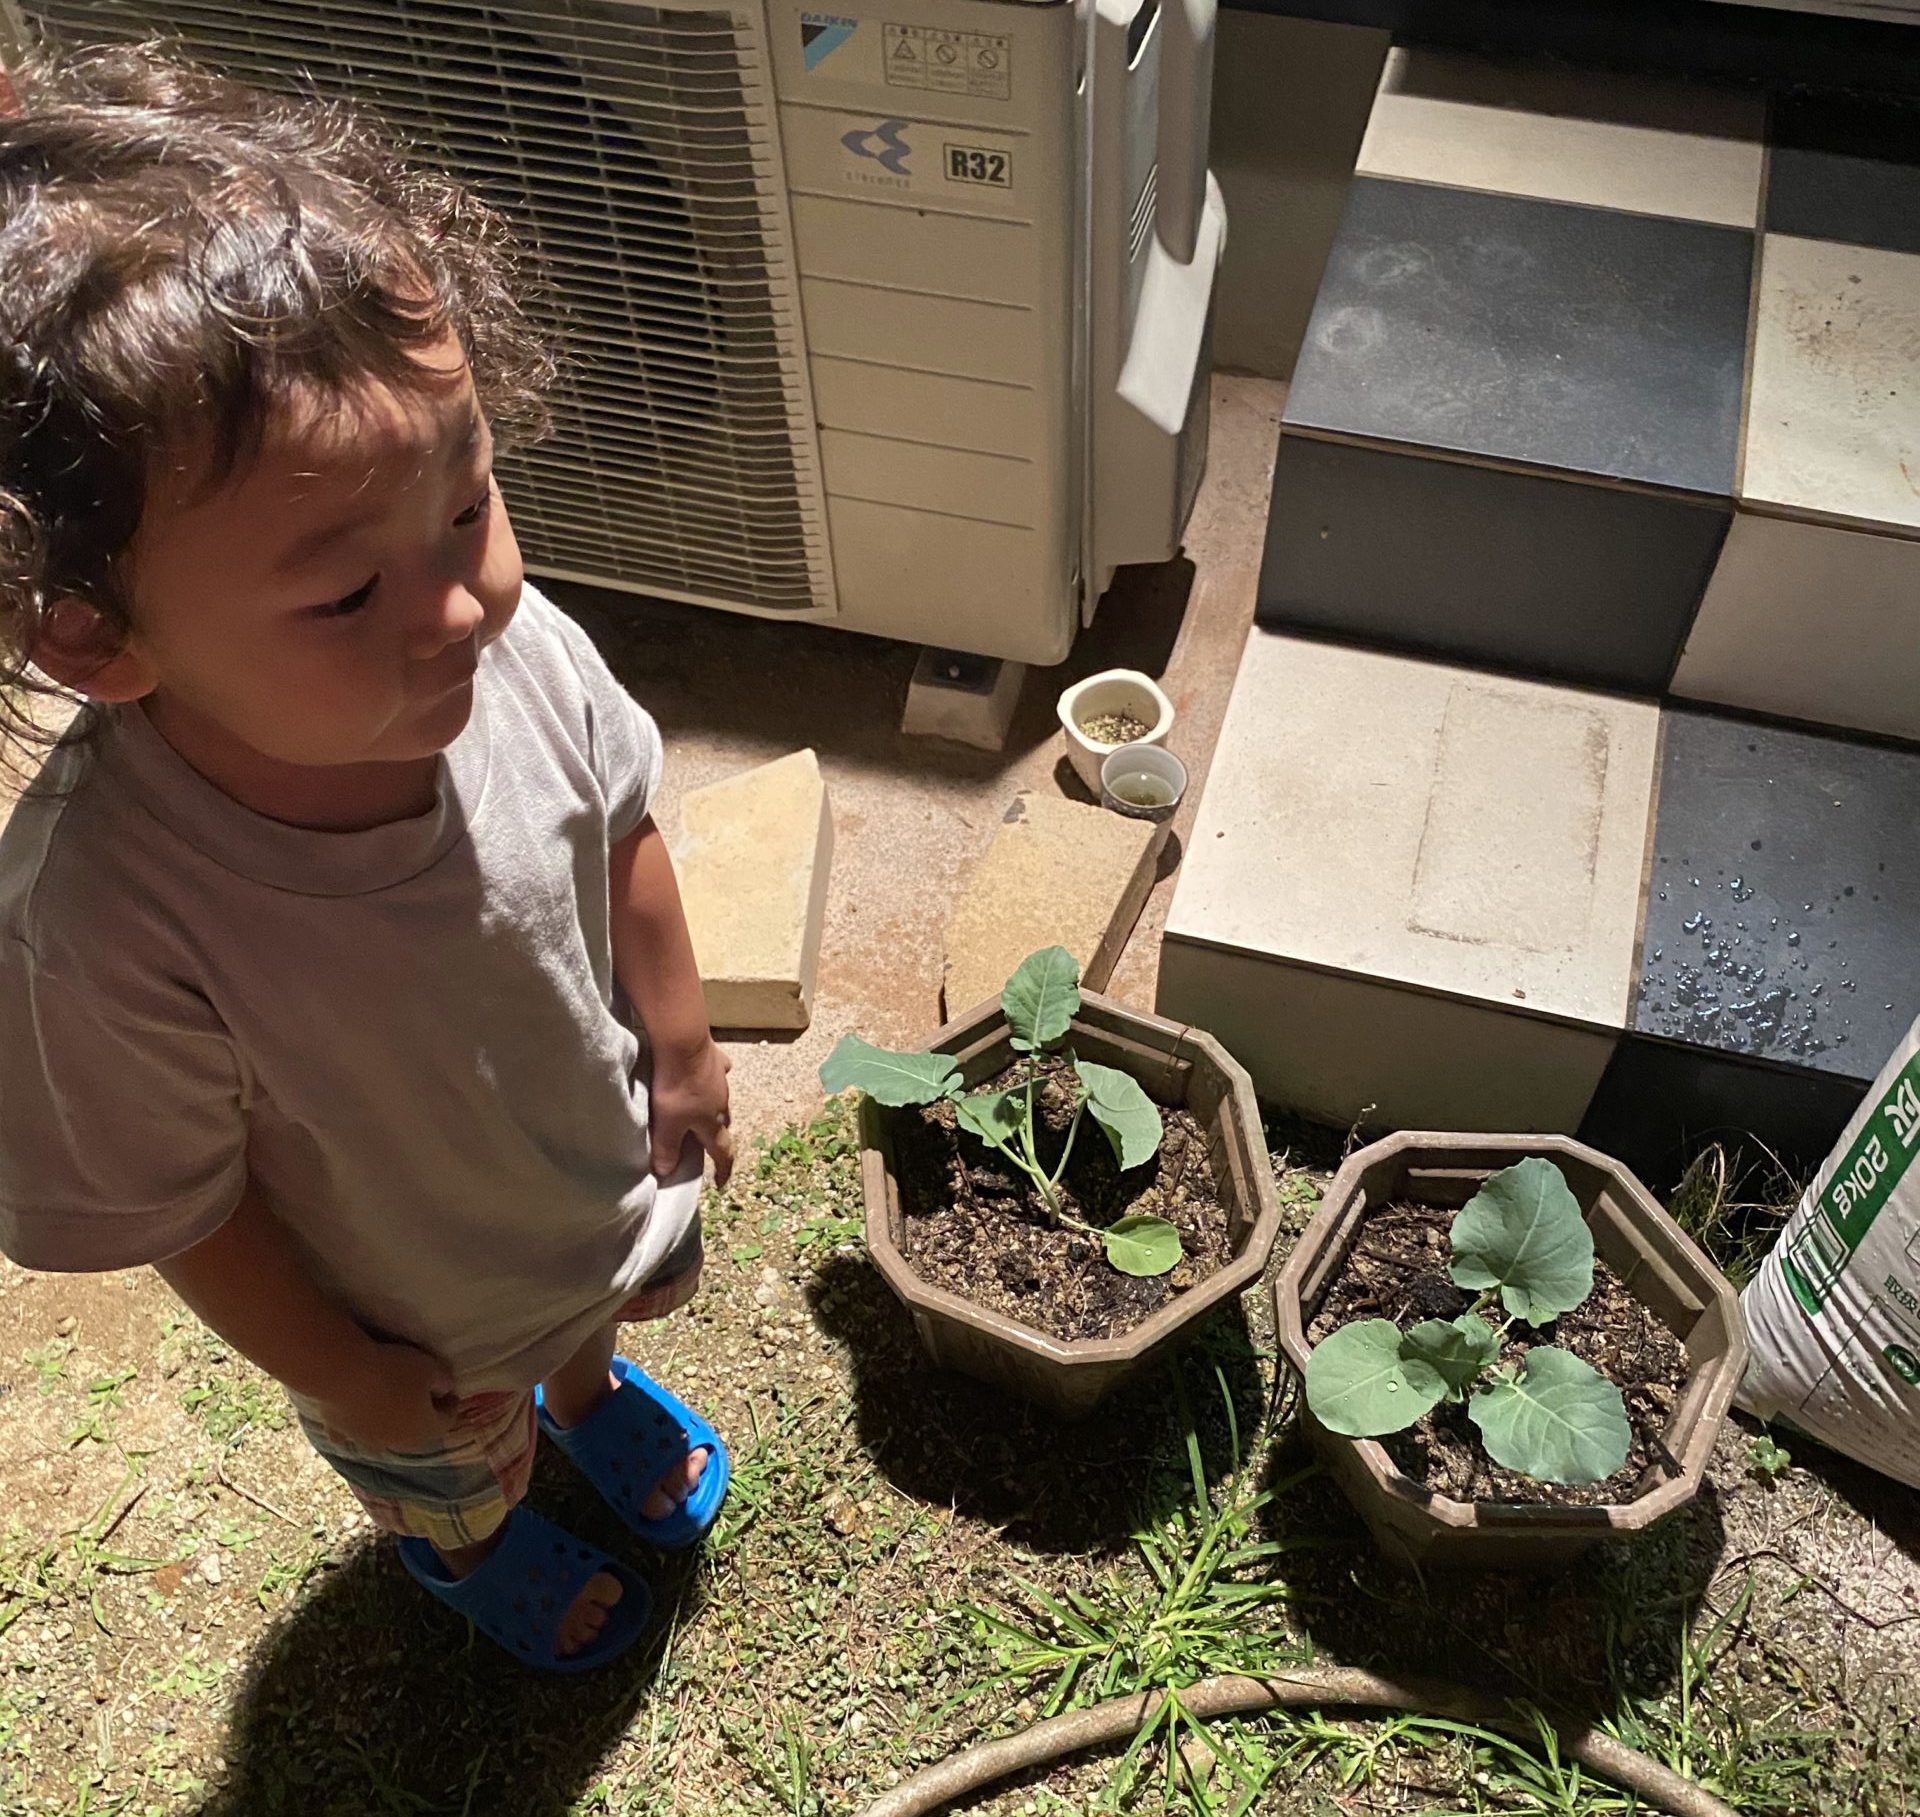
point(1662, 1267)
point(1178, 1067)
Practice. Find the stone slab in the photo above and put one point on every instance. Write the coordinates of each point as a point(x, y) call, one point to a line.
point(1660, 1104)
point(1591, 584)
point(1783, 920)
point(1846, 167)
point(1642, 144)
point(1057, 873)
point(754, 856)
point(1429, 826)
point(1349, 1050)
point(1833, 419)
point(1515, 330)
point(1808, 621)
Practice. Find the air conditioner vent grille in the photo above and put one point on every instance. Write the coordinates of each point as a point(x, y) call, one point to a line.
point(635, 149)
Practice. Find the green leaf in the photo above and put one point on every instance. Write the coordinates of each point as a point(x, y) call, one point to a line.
point(994, 1116)
point(1119, 1105)
point(1041, 998)
point(888, 1077)
point(1142, 1245)
point(1557, 1420)
point(1362, 1382)
point(1523, 1233)
point(1459, 1348)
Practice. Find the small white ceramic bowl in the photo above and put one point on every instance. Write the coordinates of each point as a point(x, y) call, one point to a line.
point(1111, 691)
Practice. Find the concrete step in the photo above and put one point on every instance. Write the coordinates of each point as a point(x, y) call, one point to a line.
point(1412, 891)
point(1427, 896)
point(1526, 430)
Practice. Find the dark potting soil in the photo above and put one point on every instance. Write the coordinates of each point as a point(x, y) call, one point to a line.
point(977, 1227)
point(1398, 1269)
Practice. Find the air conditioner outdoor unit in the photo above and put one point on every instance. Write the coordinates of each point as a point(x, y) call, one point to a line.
point(893, 317)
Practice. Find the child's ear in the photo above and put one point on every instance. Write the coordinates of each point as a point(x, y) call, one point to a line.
point(81, 649)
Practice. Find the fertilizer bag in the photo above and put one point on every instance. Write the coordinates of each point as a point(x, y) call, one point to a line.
point(1833, 1316)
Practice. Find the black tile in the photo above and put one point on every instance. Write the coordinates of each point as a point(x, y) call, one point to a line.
point(1845, 167)
point(1547, 576)
point(1783, 917)
point(1538, 332)
point(1659, 1105)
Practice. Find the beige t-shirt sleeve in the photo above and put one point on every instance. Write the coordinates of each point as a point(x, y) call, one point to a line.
point(125, 1129)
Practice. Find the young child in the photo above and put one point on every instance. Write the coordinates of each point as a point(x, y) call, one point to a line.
point(327, 936)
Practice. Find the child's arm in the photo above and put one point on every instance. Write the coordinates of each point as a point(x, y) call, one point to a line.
point(248, 1283)
point(653, 958)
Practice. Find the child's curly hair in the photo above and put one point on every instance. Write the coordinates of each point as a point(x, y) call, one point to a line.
point(180, 253)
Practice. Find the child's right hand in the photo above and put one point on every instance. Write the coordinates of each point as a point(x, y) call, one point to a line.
point(400, 1399)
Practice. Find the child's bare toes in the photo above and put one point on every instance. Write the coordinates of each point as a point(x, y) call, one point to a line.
point(675, 1486)
point(587, 1614)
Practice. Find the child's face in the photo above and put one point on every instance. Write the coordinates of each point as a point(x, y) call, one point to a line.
point(329, 604)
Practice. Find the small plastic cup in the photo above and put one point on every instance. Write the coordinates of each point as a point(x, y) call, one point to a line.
point(1143, 781)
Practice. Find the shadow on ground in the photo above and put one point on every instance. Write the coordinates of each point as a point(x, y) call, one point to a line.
point(788, 685)
point(373, 1698)
point(1576, 1640)
point(1048, 1485)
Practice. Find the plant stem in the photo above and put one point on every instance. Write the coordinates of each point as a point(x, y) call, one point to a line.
point(1073, 1129)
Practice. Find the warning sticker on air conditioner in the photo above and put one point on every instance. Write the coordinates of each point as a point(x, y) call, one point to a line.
point(949, 63)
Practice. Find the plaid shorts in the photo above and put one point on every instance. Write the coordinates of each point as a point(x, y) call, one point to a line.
point(459, 1491)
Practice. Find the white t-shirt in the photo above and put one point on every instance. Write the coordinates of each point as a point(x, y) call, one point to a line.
point(410, 1036)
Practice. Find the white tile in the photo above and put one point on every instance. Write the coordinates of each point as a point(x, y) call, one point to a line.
point(1348, 1050)
point(1638, 144)
point(1813, 623)
point(1833, 410)
point(1435, 827)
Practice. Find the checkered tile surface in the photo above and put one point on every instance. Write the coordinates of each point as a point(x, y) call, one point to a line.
point(1616, 380)
point(1612, 383)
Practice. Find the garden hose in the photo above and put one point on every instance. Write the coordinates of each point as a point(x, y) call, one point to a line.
point(1121, 1718)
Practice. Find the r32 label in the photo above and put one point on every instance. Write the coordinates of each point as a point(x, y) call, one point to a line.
point(970, 164)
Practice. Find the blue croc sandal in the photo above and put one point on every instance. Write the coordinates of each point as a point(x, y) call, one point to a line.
point(518, 1593)
point(625, 1445)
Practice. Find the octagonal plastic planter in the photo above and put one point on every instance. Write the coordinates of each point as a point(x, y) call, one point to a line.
point(1178, 1067)
point(1662, 1268)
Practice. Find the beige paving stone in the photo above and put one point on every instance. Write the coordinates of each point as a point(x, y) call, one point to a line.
point(1812, 622)
point(1057, 873)
point(1833, 412)
point(753, 858)
point(1644, 145)
point(1413, 889)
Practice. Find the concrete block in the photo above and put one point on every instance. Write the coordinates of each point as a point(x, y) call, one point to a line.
point(1412, 891)
point(753, 860)
point(969, 699)
point(1058, 873)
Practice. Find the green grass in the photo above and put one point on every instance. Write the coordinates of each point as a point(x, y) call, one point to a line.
point(1734, 1206)
point(68, 1570)
point(49, 1363)
point(1196, 1598)
point(228, 1407)
point(104, 1398)
point(855, 1615)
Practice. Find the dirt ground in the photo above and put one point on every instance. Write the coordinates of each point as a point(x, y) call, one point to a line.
point(194, 1617)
